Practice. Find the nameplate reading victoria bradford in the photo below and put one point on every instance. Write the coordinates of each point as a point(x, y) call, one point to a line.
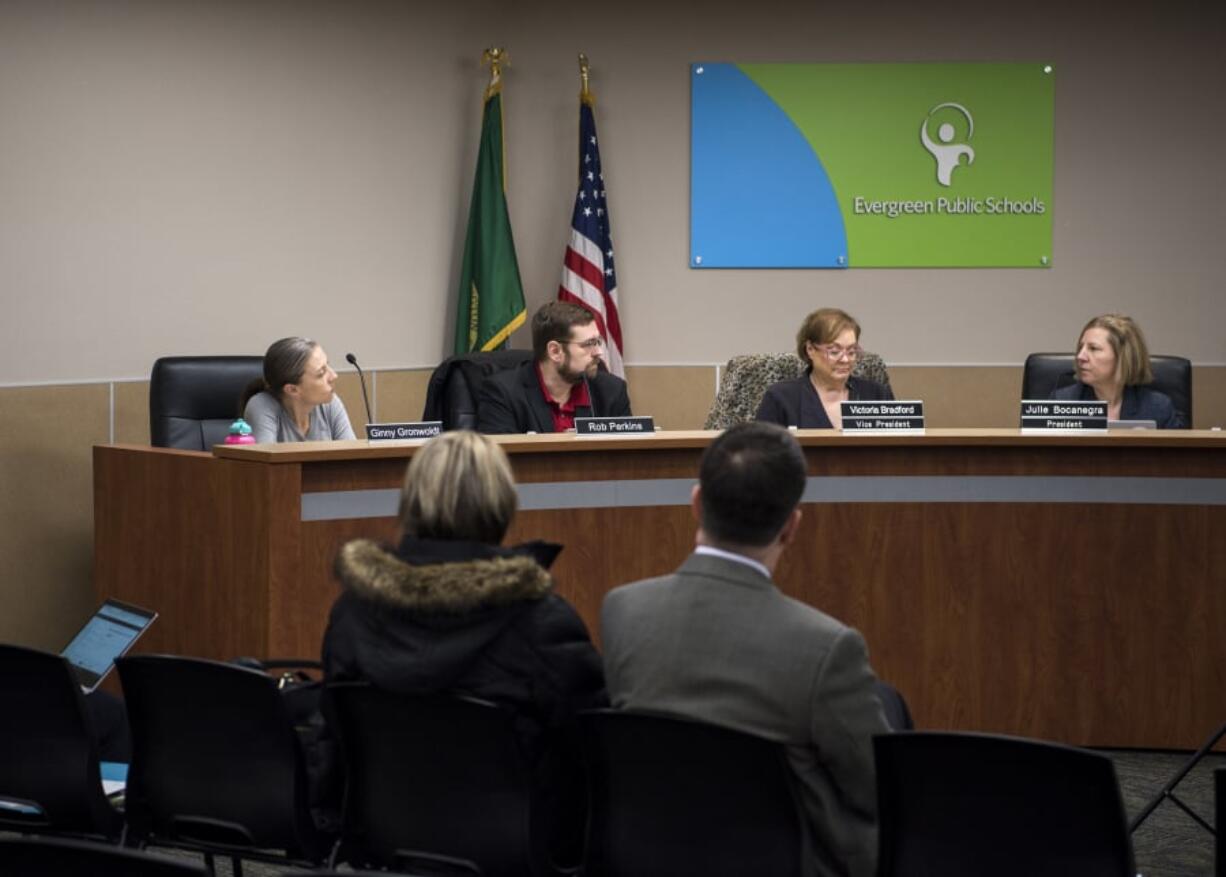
point(1048, 415)
point(879, 417)
point(607, 426)
point(403, 432)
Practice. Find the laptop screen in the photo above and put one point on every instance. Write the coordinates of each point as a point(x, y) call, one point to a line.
point(108, 634)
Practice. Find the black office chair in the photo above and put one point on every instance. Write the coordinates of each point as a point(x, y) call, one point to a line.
point(29, 857)
point(439, 775)
point(194, 399)
point(451, 395)
point(1046, 372)
point(49, 773)
point(676, 796)
point(966, 805)
point(216, 763)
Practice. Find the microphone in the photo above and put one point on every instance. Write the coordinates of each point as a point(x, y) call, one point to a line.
point(591, 400)
point(353, 361)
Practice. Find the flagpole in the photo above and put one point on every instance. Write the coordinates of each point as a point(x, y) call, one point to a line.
point(494, 57)
point(588, 278)
point(490, 303)
point(585, 91)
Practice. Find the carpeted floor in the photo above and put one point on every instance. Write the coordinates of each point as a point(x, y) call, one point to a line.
point(1169, 843)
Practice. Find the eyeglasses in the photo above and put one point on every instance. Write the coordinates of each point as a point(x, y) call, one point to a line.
point(590, 344)
point(834, 353)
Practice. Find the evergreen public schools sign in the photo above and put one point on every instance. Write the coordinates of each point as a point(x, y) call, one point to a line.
point(871, 165)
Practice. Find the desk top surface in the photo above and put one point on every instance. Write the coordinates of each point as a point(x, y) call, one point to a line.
point(301, 452)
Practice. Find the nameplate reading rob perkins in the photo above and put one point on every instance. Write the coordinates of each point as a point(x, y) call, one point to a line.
point(403, 432)
point(878, 417)
point(607, 426)
point(1045, 416)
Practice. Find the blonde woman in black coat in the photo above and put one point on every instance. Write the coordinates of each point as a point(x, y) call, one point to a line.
point(451, 610)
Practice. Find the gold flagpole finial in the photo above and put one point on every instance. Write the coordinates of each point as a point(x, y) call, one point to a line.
point(585, 92)
point(496, 57)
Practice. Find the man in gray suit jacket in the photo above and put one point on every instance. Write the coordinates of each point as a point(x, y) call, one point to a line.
point(716, 640)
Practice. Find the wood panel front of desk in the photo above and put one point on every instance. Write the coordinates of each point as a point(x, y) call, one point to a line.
point(1090, 622)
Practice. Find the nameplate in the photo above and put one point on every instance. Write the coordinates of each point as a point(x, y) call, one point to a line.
point(607, 426)
point(878, 417)
point(1048, 416)
point(403, 432)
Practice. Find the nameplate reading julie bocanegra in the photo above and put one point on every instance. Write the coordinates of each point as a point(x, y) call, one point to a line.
point(1053, 415)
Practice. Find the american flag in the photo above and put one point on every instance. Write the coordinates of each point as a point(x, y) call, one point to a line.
point(588, 278)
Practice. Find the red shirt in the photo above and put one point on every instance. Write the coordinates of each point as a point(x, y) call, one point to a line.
point(564, 414)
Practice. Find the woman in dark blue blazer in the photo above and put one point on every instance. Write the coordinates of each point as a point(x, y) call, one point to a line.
point(829, 341)
point(1112, 364)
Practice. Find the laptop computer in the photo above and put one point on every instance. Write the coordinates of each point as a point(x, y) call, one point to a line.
point(1132, 424)
point(107, 635)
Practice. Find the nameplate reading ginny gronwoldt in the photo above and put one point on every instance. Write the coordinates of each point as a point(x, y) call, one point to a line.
point(403, 432)
point(607, 426)
point(877, 417)
point(1046, 416)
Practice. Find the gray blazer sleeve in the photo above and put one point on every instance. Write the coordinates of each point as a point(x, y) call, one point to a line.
point(846, 715)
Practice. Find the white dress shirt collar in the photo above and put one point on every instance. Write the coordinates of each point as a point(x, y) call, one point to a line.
point(709, 551)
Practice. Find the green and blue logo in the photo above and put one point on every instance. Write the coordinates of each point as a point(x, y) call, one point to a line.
point(871, 165)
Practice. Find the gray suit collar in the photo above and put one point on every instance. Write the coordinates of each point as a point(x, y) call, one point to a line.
point(710, 567)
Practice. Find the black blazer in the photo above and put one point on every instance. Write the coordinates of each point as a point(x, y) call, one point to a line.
point(795, 402)
point(510, 401)
point(1139, 403)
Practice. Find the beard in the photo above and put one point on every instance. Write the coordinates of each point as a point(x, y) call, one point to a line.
point(576, 376)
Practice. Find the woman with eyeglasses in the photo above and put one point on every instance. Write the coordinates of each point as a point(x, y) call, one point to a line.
point(829, 341)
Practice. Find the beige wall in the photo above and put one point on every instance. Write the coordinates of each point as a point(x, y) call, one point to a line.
point(188, 177)
point(207, 176)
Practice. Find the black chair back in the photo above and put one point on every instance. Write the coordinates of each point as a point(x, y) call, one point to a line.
point(966, 805)
point(216, 763)
point(1047, 372)
point(27, 857)
point(451, 395)
point(434, 774)
point(676, 796)
point(49, 770)
point(194, 399)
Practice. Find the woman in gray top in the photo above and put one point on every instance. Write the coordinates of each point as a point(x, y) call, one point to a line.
point(296, 401)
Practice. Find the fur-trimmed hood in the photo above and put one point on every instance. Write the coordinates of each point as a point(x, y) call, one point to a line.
point(435, 583)
point(433, 616)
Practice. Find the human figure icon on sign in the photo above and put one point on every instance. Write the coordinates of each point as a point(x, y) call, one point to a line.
point(948, 153)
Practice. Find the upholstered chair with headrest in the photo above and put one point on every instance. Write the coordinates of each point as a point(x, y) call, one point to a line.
point(745, 378)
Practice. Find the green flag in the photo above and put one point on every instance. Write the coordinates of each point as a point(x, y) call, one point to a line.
point(491, 299)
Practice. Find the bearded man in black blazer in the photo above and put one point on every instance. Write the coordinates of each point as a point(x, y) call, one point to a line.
point(563, 382)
